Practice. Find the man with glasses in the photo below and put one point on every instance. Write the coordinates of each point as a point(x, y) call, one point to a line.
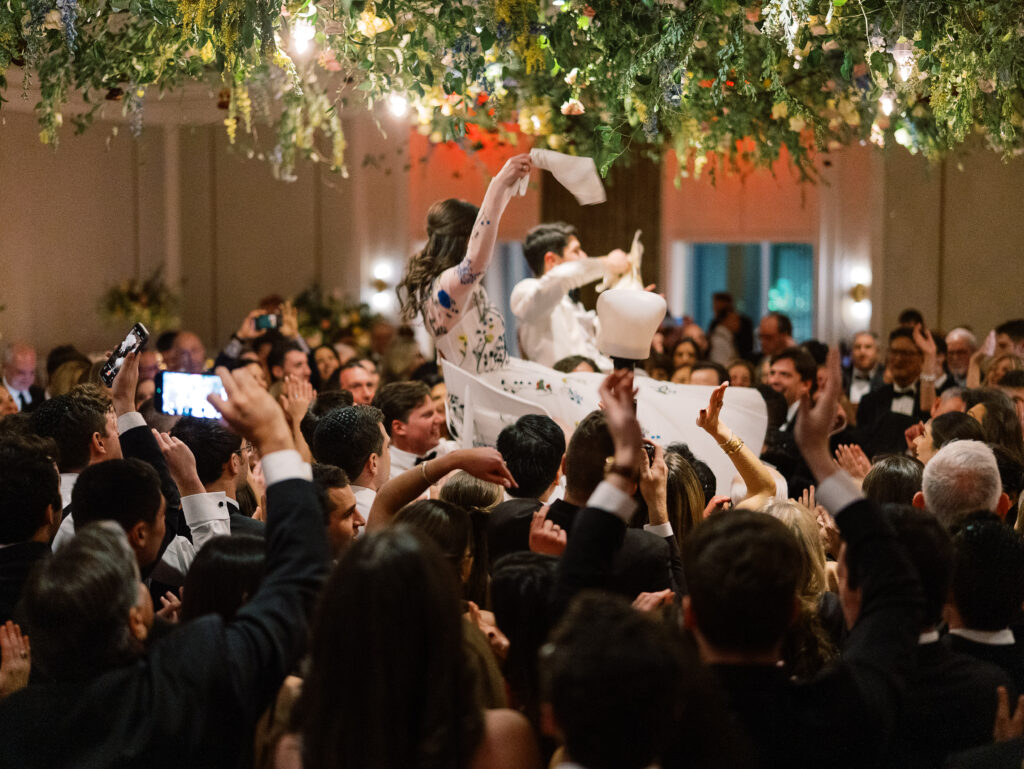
point(222, 462)
point(885, 414)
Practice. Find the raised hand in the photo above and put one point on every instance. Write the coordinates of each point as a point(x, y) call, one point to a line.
point(248, 328)
point(654, 485)
point(616, 393)
point(16, 663)
point(484, 620)
point(828, 532)
point(289, 320)
point(707, 420)
point(122, 391)
point(546, 537)
point(181, 464)
point(853, 460)
point(815, 421)
point(515, 168)
point(295, 399)
point(487, 465)
point(252, 412)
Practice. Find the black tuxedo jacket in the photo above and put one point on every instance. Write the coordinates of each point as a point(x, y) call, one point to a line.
point(243, 524)
point(37, 394)
point(876, 382)
point(950, 706)
point(16, 561)
point(1009, 657)
point(643, 562)
point(880, 431)
point(195, 696)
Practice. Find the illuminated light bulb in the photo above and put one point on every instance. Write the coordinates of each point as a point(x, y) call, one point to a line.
point(382, 271)
point(381, 301)
point(903, 55)
point(558, 3)
point(860, 274)
point(302, 34)
point(887, 103)
point(398, 105)
point(536, 122)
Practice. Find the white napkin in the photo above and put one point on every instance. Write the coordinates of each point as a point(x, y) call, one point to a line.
point(577, 174)
point(630, 279)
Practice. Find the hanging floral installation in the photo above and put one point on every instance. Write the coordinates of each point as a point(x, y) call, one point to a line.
point(726, 85)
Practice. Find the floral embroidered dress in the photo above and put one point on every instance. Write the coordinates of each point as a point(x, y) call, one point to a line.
point(468, 330)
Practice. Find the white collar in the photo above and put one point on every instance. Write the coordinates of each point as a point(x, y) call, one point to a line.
point(1002, 637)
point(928, 637)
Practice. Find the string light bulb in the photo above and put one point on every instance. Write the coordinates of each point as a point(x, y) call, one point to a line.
point(398, 105)
point(887, 103)
point(903, 55)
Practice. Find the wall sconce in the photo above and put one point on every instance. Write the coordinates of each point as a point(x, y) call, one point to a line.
point(380, 283)
point(859, 292)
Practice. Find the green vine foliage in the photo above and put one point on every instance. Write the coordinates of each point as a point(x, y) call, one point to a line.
point(728, 86)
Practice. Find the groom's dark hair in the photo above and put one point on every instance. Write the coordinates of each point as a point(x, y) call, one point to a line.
point(543, 238)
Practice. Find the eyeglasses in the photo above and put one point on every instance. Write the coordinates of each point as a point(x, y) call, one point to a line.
point(246, 448)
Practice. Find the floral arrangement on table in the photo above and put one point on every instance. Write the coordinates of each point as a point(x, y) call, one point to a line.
point(724, 84)
point(326, 317)
point(150, 302)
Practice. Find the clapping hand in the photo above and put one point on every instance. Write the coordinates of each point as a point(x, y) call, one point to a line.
point(170, 607)
point(295, 399)
point(853, 460)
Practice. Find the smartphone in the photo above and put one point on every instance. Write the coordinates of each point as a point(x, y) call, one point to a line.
point(136, 338)
point(649, 449)
point(184, 395)
point(267, 321)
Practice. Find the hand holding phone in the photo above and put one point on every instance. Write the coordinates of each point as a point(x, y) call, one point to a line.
point(133, 342)
point(181, 394)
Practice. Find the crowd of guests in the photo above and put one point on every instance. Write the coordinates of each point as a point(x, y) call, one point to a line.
point(323, 578)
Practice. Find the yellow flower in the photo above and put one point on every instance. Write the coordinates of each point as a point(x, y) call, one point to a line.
point(371, 25)
point(797, 124)
point(780, 110)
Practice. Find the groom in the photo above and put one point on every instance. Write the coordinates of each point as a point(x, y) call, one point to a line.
point(551, 324)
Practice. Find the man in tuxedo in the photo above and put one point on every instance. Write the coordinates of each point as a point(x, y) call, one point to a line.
point(866, 374)
point(533, 448)
point(793, 374)
point(413, 424)
point(355, 440)
point(20, 376)
point(961, 344)
point(356, 379)
point(962, 478)
point(29, 513)
point(645, 562)
point(950, 697)
point(222, 463)
point(338, 502)
point(884, 415)
point(986, 594)
point(552, 324)
point(193, 696)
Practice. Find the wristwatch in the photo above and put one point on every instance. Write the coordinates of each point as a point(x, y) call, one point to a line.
point(631, 474)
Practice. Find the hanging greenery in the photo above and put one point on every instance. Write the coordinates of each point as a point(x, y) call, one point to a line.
point(727, 86)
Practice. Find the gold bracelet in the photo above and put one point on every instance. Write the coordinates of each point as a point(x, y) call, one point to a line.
point(423, 472)
point(731, 446)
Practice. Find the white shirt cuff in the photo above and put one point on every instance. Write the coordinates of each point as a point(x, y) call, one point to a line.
point(129, 421)
point(837, 491)
point(663, 530)
point(284, 466)
point(204, 508)
point(612, 500)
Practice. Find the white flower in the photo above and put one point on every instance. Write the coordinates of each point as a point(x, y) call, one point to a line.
point(780, 110)
point(573, 107)
point(570, 79)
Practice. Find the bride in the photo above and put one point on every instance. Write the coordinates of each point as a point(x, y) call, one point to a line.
point(442, 282)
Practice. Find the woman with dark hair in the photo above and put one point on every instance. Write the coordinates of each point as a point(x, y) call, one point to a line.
point(685, 354)
point(223, 576)
point(943, 429)
point(442, 282)
point(998, 418)
point(324, 361)
point(389, 687)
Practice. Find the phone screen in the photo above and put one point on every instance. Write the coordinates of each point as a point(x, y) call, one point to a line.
point(184, 395)
point(132, 343)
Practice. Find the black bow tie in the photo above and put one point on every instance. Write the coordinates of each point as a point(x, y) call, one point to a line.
point(860, 376)
point(425, 458)
point(898, 391)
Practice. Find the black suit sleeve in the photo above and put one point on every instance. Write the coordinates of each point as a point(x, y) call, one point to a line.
point(880, 646)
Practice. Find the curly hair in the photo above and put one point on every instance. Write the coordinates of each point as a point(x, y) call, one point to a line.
point(449, 224)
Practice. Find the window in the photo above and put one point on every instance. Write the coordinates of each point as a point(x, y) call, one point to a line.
point(762, 277)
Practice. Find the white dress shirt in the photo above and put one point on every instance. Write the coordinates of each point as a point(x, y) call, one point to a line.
point(21, 397)
point(551, 325)
point(364, 500)
point(406, 460)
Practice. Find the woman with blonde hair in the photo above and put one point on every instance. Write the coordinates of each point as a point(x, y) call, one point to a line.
point(807, 647)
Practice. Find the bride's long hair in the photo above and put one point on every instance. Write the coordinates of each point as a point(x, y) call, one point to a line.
point(449, 224)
